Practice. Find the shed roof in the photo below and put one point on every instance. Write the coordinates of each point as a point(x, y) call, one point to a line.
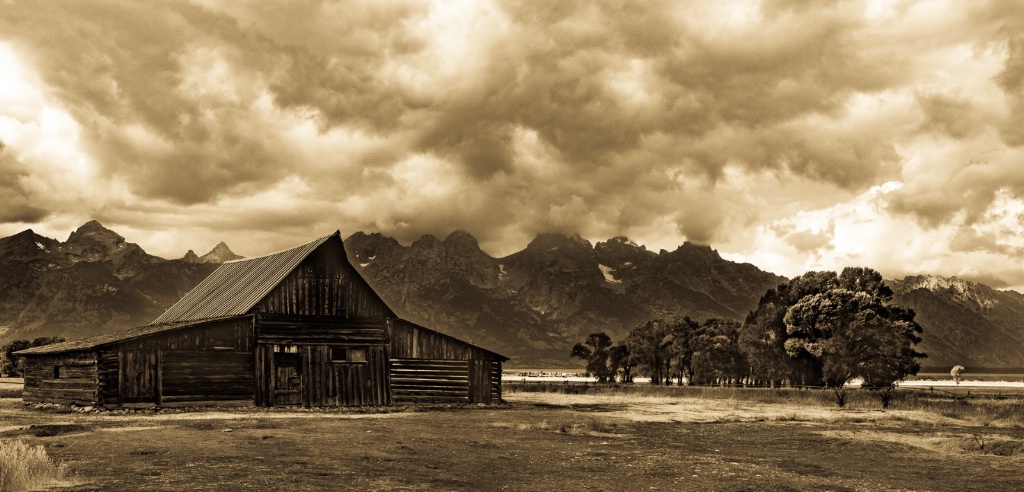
point(236, 286)
point(111, 338)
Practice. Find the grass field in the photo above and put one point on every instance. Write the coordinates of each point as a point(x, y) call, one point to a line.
point(716, 439)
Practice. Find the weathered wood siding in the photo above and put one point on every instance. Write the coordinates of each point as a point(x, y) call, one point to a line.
point(202, 363)
point(415, 381)
point(322, 329)
point(429, 380)
point(321, 381)
point(409, 341)
point(325, 284)
point(202, 375)
point(76, 381)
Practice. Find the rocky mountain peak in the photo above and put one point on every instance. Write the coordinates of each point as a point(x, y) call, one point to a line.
point(461, 240)
point(191, 257)
point(92, 235)
point(27, 245)
point(219, 254)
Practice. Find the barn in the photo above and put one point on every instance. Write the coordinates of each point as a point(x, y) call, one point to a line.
point(296, 328)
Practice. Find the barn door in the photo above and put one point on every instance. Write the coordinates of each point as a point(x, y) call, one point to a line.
point(287, 378)
point(479, 381)
point(138, 376)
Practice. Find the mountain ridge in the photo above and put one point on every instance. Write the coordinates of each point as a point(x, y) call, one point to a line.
point(531, 305)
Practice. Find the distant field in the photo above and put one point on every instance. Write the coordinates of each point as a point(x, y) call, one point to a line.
point(616, 439)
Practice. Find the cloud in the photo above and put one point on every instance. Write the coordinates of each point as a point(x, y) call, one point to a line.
point(733, 123)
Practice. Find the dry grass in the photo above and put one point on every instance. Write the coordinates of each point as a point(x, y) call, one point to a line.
point(801, 404)
point(25, 467)
point(954, 443)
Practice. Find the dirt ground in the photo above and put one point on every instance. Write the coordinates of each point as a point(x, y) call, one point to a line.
point(534, 442)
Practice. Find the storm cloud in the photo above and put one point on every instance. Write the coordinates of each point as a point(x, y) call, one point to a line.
point(793, 135)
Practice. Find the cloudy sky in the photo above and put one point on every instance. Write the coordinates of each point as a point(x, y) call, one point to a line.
point(792, 135)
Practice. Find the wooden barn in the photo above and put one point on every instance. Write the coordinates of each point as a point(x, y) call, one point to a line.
point(299, 327)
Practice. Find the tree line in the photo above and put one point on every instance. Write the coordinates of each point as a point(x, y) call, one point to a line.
point(820, 329)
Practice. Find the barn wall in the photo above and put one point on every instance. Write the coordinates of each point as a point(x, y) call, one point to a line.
point(429, 380)
point(409, 341)
point(309, 377)
point(325, 284)
point(430, 366)
point(77, 381)
point(203, 363)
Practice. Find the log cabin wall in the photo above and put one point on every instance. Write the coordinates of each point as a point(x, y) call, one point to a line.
point(431, 366)
point(207, 362)
point(325, 284)
point(69, 377)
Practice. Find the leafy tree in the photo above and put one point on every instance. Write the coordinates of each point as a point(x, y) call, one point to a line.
point(650, 346)
point(595, 350)
point(716, 357)
point(9, 365)
point(621, 361)
point(855, 333)
point(682, 333)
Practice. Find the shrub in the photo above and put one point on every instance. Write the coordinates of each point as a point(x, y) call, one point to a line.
point(26, 467)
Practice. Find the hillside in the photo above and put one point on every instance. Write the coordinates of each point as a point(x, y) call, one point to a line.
point(965, 322)
point(93, 283)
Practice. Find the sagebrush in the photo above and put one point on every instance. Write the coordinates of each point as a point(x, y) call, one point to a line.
point(27, 467)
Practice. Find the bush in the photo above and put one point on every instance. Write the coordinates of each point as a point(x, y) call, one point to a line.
point(26, 467)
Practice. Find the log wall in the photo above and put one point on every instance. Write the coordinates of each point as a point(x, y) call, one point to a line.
point(430, 380)
point(76, 381)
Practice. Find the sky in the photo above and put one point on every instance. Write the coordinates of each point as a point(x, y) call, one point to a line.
point(792, 135)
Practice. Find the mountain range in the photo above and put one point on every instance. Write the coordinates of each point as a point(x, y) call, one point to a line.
point(532, 305)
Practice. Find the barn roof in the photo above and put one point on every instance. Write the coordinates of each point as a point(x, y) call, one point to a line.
point(111, 338)
point(236, 286)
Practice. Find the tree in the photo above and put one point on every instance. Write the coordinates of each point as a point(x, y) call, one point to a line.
point(855, 333)
point(763, 335)
point(9, 365)
point(621, 361)
point(595, 350)
point(682, 333)
point(715, 356)
point(650, 344)
point(957, 372)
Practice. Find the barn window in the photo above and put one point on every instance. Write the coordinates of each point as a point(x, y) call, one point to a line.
point(223, 343)
point(56, 372)
point(348, 355)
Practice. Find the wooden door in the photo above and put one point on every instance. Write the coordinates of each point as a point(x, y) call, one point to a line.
point(287, 379)
point(138, 378)
point(479, 381)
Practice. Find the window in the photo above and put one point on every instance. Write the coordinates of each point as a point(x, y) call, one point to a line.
point(288, 349)
point(56, 372)
point(348, 355)
point(223, 344)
